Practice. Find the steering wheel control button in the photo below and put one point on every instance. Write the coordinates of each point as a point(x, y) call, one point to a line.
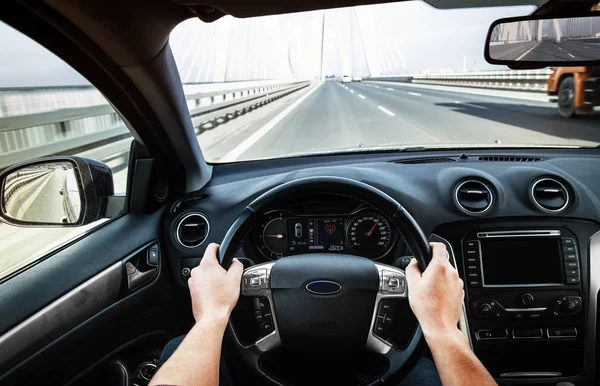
point(255, 281)
point(492, 334)
point(562, 332)
point(527, 299)
point(393, 282)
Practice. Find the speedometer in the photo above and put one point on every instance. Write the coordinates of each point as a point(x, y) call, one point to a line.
point(369, 234)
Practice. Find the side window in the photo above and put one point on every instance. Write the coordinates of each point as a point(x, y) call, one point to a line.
point(47, 108)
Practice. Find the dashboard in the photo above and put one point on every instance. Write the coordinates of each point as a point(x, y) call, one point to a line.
point(521, 227)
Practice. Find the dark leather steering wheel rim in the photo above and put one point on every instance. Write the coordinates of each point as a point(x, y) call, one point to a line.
point(400, 361)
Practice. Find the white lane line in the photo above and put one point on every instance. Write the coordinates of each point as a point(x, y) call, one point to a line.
point(390, 89)
point(560, 48)
point(251, 140)
point(388, 112)
point(570, 55)
point(361, 96)
point(531, 49)
point(351, 90)
point(375, 86)
point(468, 104)
point(415, 93)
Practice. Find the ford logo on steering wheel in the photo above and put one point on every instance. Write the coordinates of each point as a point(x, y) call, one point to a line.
point(323, 287)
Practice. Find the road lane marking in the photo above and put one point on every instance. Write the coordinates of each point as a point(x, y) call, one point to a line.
point(388, 112)
point(415, 93)
point(361, 96)
point(531, 49)
point(376, 86)
point(351, 90)
point(251, 140)
point(468, 104)
point(570, 55)
point(390, 89)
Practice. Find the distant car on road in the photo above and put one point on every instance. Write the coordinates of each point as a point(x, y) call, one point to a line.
point(357, 78)
point(346, 79)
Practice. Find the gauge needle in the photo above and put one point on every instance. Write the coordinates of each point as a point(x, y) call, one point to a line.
point(372, 229)
point(277, 236)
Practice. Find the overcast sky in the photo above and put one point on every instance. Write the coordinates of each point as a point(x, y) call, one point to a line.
point(399, 37)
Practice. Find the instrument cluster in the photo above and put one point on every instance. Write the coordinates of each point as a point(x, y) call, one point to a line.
point(364, 232)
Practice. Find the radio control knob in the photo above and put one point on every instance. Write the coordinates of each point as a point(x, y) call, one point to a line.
point(568, 306)
point(485, 308)
point(527, 299)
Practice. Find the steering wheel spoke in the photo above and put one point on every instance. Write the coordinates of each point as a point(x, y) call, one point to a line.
point(256, 282)
point(392, 286)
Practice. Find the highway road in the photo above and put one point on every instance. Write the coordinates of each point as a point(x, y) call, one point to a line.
point(334, 116)
point(568, 51)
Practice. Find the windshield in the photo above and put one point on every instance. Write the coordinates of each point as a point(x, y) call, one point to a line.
point(354, 79)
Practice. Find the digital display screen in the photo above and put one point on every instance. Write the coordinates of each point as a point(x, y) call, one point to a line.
point(316, 235)
point(326, 235)
point(521, 261)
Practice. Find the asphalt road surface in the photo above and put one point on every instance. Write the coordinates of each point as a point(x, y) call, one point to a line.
point(567, 51)
point(337, 116)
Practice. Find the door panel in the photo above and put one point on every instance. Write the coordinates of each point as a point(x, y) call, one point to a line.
point(74, 308)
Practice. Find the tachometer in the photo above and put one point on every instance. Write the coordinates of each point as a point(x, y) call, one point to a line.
point(274, 238)
point(369, 234)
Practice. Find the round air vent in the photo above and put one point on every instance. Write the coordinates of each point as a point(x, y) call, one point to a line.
point(549, 195)
point(192, 230)
point(473, 197)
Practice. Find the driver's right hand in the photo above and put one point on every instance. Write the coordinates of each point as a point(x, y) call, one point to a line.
point(436, 295)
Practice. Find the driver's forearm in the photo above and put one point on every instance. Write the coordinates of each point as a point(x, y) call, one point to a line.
point(196, 360)
point(455, 361)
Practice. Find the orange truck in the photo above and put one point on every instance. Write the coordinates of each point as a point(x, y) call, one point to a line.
point(576, 89)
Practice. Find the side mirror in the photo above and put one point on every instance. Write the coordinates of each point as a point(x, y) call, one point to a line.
point(538, 41)
point(59, 191)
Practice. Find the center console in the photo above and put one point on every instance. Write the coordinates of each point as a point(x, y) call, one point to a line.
point(525, 299)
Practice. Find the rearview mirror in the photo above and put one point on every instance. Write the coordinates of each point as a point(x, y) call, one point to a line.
point(540, 42)
point(55, 191)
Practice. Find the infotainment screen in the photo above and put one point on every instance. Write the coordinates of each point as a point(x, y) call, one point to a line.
point(521, 261)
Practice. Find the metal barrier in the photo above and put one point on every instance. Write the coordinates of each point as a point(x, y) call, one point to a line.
point(67, 131)
point(523, 80)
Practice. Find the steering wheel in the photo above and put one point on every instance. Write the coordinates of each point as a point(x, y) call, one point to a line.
point(327, 301)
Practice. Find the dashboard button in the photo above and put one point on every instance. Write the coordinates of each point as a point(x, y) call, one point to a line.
point(472, 252)
point(570, 257)
point(473, 274)
point(562, 332)
point(571, 265)
point(472, 244)
point(572, 273)
point(527, 299)
point(492, 334)
point(472, 259)
point(474, 282)
point(531, 333)
point(568, 242)
point(572, 280)
point(569, 249)
point(485, 308)
point(473, 266)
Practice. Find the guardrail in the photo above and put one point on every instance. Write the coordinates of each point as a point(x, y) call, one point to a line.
point(60, 130)
point(523, 80)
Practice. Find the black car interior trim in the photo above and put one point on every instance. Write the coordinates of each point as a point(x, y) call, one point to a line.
point(62, 314)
